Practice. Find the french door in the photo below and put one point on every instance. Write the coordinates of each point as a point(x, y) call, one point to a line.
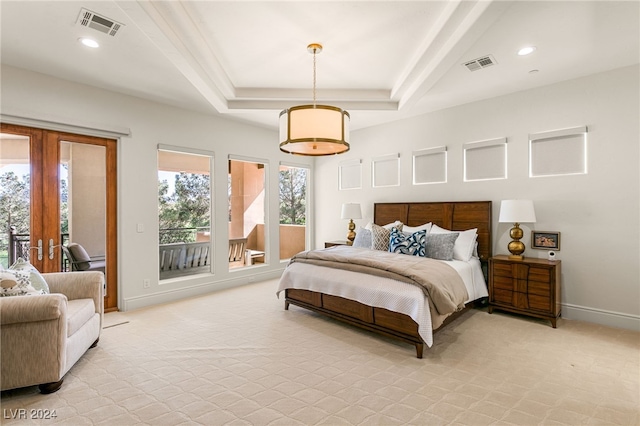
point(58, 188)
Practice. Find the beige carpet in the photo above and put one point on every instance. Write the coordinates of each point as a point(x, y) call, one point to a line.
point(237, 357)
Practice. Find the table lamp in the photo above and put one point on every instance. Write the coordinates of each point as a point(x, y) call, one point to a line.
point(516, 212)
point(351, 211)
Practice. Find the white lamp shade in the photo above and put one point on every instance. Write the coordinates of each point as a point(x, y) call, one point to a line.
point(517, 211)
point(314, 130)
point(351, 211)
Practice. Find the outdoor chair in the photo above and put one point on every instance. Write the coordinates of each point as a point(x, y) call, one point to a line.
point(79, 259)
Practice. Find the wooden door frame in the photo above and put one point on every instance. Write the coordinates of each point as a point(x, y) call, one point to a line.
point(44, 146)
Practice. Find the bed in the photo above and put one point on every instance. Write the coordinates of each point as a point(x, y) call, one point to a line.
point(387, 303)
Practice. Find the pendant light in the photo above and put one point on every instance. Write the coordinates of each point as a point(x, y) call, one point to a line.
point(314, 130)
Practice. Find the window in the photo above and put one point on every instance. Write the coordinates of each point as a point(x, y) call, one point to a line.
point(430, 165)
point(247, 213)
point(184, 212)
point(293, 183)
point(385, 170)
point(350, 174)
point(559, 152)
point(485, 160)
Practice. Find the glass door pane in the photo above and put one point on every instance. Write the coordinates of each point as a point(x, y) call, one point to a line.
point(83, 207)
point(15, 198)
point(246, 214)
point(293, 182)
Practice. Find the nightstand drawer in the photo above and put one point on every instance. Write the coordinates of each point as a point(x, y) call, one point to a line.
point(540, 275)
point(522, 271)
point(521, 300)
point(502, 282)
point(523, 286)
point(502, 296)
point(539, 303)
point(540, 288)
point(502, 269)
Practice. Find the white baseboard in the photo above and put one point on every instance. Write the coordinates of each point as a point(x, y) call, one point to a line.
point(600, 316)
point(569, 311)
point(158, 298)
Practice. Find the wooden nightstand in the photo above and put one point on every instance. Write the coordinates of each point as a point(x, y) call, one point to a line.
point(529, 287)
point(335, 243)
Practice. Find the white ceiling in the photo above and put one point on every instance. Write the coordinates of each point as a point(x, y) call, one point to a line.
point(382, 60)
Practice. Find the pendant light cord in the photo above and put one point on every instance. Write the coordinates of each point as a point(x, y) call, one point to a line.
point(314, 77)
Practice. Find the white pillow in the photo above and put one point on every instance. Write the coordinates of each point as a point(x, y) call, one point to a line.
point(413, 229)
point(37, 280)
point(16, 283)
point(397, 224)
point(465, 243)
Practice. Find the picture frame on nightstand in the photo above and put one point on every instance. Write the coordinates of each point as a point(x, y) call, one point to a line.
point(545, 240)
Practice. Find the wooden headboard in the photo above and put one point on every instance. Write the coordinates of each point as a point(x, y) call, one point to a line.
point(455, 215)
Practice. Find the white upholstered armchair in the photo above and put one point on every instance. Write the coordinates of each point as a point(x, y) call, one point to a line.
point(43, 336)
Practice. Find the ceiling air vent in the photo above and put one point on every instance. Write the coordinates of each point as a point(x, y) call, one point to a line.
point(483, 62)
point(105, 25)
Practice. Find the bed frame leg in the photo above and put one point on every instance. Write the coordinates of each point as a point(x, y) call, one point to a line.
point(419, 349)
point(286, 305)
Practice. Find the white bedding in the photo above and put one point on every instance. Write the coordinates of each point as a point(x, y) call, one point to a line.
point(381, 292)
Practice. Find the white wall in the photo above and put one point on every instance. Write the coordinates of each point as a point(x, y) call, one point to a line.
point(40, 97)
point(597, 213)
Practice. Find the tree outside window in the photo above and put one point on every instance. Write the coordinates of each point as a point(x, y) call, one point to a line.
point(293, 196)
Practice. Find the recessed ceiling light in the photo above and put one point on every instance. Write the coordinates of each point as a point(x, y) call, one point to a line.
point(89, 42)
point(526, 50)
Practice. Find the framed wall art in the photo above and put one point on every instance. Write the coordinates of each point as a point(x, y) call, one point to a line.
point(545, 240)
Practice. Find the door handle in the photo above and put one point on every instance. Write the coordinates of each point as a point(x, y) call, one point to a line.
point(51, 247)
point(39, 248)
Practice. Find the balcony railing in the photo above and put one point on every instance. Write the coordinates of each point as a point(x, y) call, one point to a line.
point(182, 235)
point(19, 246)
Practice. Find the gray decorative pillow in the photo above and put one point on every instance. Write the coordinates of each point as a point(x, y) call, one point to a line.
point(440, 246)
point(37, 280)
point(363, 238)
point(380, 237)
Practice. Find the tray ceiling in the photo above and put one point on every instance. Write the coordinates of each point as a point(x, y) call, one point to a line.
point(382, 60)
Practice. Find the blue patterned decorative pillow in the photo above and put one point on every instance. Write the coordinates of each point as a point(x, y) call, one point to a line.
point(413, 245)
point(440, 246)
